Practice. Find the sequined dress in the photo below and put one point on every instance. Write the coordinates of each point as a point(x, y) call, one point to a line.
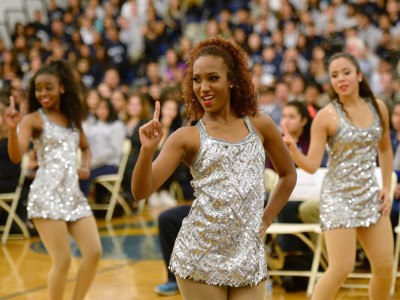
point(350, 189)
point(55, 193)
point(218, 243)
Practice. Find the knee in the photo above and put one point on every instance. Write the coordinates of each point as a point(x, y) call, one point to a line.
point(62, 264)
point(383, 266)
point(95, 254)
point(342, 271)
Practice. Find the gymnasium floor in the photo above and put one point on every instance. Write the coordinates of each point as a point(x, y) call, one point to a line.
point(130, 268)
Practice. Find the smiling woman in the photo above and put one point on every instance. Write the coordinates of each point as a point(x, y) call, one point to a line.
point(219, 252)
point(56, 205)
point(355, 129)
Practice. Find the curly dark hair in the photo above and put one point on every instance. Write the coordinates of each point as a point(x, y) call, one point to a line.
point(243, 96)
point(364, 89)
point(71, 104)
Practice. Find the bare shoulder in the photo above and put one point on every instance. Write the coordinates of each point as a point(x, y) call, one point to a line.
point(187, 141)
point(382, 106)
point(184, 134)
point(265, 127)
point(33, 119)
point(326, 114)
point(261, 121)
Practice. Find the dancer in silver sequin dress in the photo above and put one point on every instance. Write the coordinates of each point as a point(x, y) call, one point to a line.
point(219, 253)
point(56, 205)
point(355, 128)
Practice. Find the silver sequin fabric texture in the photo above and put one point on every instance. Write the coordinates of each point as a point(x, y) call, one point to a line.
point(55, 193)
point(218, 243)
point(350, 189)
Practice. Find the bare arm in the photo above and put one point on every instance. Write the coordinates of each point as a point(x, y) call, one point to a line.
point(147, 175)
point(280, 157)
point(18, 142)
point(319, 136)
point(385, 156)
point(86, 156)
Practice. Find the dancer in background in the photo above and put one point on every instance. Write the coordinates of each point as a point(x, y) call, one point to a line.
point(355, 126)
point(55, 204)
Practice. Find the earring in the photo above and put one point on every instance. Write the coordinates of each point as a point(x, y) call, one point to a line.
point(231, 85)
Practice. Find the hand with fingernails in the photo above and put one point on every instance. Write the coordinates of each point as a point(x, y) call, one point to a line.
point(151, 132)
point(12, 115)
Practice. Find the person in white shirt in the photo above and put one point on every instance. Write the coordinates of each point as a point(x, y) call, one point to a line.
point(105, 135)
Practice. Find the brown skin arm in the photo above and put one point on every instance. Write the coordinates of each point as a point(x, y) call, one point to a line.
point(322, 126)
point(148, 176)
point(18, 142)
point(283, 164)
point(86, 156)
point(385, 157)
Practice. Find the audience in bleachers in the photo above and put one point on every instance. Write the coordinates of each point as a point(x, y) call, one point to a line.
point(123, 50)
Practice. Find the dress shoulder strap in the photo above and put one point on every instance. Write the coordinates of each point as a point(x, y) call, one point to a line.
point(247, 121)
point(201, 128)
point(43, 115)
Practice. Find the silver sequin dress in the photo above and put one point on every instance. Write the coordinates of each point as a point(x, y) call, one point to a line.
point(218, 243)
point(55, 193)
point(350, 189)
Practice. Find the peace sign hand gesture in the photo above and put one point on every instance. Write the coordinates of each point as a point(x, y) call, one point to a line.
point(12, 115)
point(151, 132)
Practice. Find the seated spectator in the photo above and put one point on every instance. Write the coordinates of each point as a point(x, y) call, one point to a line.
point(268, 104)
point(395, 137)
point(297, 121)
point(119, 99)
point(9, 172)
point(138, 113)
point(105, 137)
point(170, 120)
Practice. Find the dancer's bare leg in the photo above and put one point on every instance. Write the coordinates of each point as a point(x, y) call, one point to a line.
point(191, 290)
point(341, 247)
point(85, 234)
point(248, 292)
point(54, 235)
point(377, 242)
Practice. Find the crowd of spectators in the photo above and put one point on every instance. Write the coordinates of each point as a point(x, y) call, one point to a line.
point(125, 48)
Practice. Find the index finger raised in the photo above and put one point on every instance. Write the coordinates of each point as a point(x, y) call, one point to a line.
point(157, 111)
point(284, 129)
point(12, 103)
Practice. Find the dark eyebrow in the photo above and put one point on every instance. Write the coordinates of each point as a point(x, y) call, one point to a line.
point(208, 74)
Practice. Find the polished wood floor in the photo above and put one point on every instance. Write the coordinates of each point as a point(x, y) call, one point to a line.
point(130, 268)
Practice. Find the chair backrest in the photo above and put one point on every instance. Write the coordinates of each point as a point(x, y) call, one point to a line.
point(393, 182)
point(126, 149)
point(270, 179)
point(308, 186)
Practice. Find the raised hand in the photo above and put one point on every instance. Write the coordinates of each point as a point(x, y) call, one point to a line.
point(151, 132)
point(12, 115)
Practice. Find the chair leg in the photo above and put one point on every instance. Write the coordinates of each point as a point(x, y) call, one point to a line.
point(395, 264)
point(141, 204)
point(115, 197)
point(12, 216)
point(315, 265)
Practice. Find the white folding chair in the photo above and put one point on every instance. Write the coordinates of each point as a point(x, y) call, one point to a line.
point(9, 202)
point(308, 188)
point(112, 183)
